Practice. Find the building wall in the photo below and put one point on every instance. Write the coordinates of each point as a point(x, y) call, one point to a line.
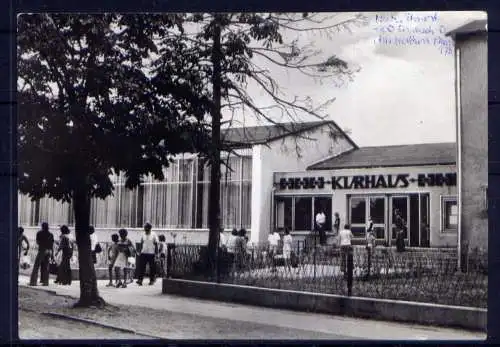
point(438, 236)
point(473, 91)
point(162, 203)
point(288, 154)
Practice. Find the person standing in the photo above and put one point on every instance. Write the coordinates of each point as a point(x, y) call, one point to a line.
point(370, 243)
point(149, 251)
point(125, 249)
point(400, 231)
point(320, 227)
point(345, 237)
point(112, 254)
point(336, 224)
point(66, 248)
point(222, 239)
point(162, 251)
point(94, 248)
point(20, 248)
point(287, 248)
point(273, 239)
point(45, 242)
point(231, 244)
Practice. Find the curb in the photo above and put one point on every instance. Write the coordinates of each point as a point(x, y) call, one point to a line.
point(95, 323)
point(474, 319)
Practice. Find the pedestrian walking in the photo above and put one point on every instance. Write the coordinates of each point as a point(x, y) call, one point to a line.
point(345, 237)
point(45, 242)
point(66, 250)
point(112, 255)
point(125, 249)
point(148, 253)
point(23, 245)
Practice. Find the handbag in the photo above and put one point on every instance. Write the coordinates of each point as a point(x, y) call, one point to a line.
point(53, 267)
point(98, 248)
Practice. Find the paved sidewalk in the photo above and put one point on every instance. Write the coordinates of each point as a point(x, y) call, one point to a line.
point(151, 297)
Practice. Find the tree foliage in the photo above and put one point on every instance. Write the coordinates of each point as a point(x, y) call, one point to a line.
point(90, 106)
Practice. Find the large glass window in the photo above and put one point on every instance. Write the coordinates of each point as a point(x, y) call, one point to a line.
point(449, 214)
point(179, 201)
point(303, 213)
point(361, 208)
point(297, 212)
point(284, 212)
point(358, 216)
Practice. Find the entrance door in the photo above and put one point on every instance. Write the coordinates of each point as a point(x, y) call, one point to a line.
point(414, 224)
point(399, 203)
point(425, 236)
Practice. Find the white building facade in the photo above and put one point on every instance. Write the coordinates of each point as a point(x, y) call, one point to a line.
point(279, 176)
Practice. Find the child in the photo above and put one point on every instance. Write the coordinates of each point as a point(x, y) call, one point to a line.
point(112, 254)
point(125, 249)
point(162, 251)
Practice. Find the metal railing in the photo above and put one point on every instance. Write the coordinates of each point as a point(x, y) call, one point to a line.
point(424, 275)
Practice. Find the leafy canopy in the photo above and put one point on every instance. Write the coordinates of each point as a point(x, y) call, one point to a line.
point(91, 103)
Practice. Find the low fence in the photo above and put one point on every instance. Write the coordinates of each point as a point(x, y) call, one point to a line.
point(423, 275)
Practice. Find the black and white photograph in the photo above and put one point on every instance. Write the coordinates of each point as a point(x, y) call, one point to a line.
point(252, 176)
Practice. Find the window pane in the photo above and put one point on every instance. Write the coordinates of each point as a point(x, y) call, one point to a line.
point(104, 213)
point(129, 207)
point(246, 208)
point(284, 212)
point(358, 232)
point(230, 200)
point(303, 213)
point(185, 205)
point(230, 169)
point(358, 210)
point(379, 232)
point(377, 210)
point(185, 166)
point(247, 168)
point(451, 215)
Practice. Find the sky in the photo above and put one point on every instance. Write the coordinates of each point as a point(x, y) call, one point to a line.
point(404, 92)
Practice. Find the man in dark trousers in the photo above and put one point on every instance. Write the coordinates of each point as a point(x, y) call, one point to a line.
point(45, 242)
point(149, 251)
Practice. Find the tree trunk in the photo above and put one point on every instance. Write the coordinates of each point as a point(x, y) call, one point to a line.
point(89, 295)
point(214, 193)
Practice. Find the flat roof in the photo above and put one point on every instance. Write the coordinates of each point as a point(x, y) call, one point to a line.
point(392, 156)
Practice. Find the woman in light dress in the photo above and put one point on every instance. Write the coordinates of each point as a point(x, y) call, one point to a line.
point(121, 261)
point(287, 248)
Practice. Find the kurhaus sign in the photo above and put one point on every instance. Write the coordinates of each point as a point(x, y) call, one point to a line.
point(370, 181)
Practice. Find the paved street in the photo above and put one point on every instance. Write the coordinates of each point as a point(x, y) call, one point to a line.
point(258, 322)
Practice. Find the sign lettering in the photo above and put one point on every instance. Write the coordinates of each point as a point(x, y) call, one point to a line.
point(370, 181)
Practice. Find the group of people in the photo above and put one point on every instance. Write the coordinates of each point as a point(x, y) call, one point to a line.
point(45, 255)
point(121, 255)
